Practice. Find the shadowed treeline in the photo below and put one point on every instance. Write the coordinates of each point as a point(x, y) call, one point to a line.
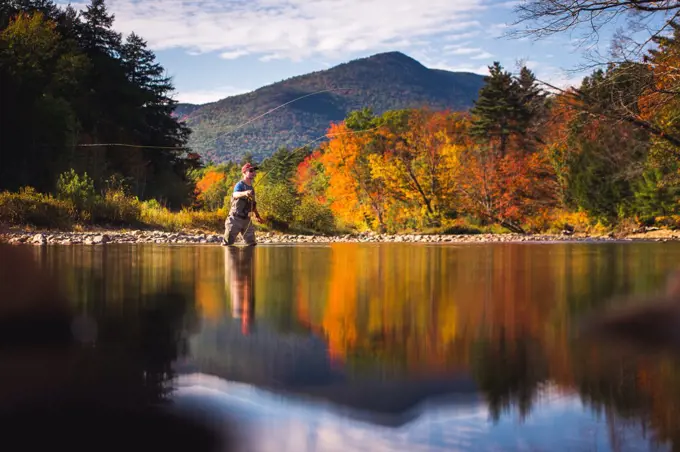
point(95, 374)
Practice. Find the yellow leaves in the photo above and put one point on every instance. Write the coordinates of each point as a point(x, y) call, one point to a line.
point(29, 41)
point(353, 193)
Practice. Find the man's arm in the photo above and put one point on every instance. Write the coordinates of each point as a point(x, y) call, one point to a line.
point(240, 191)
point(241, 194)
point(257, 214)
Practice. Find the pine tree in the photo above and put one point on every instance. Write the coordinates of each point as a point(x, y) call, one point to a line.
point(98, 34)
point(497, 108)
point(508, 106)
point(66, 79)
point(532, 101)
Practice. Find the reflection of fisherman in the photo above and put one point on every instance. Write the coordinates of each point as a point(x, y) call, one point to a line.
point(240, 274)
point(242, 204)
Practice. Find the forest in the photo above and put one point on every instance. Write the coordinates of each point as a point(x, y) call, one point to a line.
point(527, 157)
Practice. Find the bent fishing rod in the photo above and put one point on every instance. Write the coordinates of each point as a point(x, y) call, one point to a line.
point(291, 153)
point(239, 126)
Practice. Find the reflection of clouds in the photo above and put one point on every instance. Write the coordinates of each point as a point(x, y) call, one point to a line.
point(277, 423)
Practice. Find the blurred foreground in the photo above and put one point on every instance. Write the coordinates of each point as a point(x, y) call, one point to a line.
point(58, 391)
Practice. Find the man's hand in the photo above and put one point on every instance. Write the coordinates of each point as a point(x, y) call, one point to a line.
point(244, 194)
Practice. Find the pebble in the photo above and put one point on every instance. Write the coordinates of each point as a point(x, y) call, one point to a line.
point(199, 238)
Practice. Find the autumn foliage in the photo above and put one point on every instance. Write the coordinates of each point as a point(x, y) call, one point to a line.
point(522, 159)
point(419, 168)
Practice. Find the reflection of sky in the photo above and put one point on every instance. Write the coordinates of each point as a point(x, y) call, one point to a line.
point(279, 423)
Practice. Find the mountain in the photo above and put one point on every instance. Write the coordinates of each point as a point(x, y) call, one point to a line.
point(382, 82)
point(186, 109)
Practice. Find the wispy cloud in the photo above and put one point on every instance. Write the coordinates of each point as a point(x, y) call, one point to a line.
point(461, 36)
point(292, 29)
point(208, 95)
point(462, 50)
point(232, 55)
point(482, 56)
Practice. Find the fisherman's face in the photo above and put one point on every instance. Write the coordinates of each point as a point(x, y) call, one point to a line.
point(249, 174)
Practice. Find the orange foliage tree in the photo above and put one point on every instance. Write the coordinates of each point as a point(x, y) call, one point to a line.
point(507, 189)
point(660, 102)
point(211, 189)
point(413, 165)
point(555, 146)
point(310, 178)
point(355, 196)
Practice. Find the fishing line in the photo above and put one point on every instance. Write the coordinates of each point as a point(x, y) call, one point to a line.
point(219, 136)
point(351, 132)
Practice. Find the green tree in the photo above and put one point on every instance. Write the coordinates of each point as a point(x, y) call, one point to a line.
point(654, 198)
point(496, 109)
point(507, 106)
point(67, 80)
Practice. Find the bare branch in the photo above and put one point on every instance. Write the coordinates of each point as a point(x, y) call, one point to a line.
point(543, 18)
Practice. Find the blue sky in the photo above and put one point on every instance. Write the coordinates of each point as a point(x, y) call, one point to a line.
point(217, 48)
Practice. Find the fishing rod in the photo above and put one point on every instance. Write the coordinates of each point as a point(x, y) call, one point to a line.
point(290, 154)
point(351, 132)
point(255, 118)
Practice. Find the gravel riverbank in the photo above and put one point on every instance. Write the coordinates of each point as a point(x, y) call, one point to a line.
point(103, 237)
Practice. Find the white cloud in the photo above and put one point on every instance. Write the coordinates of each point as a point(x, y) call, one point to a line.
point(481, 70)
point(482, 56)
point(208, 95)
point(292, 29)
point(461, 36)
point(233, 54)
point(561, 79)
point(462, 50)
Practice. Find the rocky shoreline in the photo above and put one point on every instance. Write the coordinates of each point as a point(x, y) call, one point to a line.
point(103, 237)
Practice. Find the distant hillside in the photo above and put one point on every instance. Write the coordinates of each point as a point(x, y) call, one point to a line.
point(186, 109)
point(382, 82)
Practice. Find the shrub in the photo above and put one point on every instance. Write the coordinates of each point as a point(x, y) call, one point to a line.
point(77, 189)
point(117, 208)
point(29, 207)
point(313, 215)
point(276, 204)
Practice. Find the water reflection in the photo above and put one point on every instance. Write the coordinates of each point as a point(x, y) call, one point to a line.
point(94, 377)
point(390, 329)
point(239, 273)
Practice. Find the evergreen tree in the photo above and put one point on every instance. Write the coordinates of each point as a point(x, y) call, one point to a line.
point(98, 34)
point(67, 79)
point(495, 108)
point(653, 198)
point(533, 106)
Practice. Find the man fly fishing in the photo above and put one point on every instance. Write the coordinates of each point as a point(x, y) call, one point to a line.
point(242, 204)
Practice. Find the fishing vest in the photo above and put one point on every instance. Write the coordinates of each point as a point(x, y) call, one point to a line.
point(242, 207)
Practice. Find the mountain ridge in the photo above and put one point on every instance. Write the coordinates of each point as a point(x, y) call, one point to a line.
point(383, 81)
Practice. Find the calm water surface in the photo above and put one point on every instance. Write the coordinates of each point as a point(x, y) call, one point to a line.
point(387, 347)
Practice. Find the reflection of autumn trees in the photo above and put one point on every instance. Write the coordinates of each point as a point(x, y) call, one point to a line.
point(504, 313)
point(509, 372)
point(139, 298)
point(641, 390)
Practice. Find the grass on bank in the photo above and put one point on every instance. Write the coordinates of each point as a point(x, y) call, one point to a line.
point(115, 209)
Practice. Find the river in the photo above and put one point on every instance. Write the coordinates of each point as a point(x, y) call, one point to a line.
point(386, 347)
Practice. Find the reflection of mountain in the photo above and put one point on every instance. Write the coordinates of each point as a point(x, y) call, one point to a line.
point(300, 364)
point(263, 357)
